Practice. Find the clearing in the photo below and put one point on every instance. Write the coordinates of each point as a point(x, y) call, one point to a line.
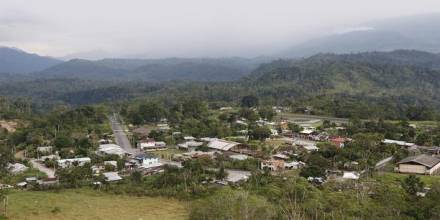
point(90, 204)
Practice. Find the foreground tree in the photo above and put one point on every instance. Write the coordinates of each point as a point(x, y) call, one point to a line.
point(412, 184)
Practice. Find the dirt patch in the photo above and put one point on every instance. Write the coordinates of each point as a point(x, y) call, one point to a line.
point(10, 126)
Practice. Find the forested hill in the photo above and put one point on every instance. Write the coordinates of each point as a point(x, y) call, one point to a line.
point(155, 70)
point(396, 72)
point(396, 80)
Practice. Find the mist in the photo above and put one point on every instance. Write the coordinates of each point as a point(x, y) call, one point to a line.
point(191, 28)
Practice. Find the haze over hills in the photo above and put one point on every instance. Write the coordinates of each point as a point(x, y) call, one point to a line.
point(14, 60)
point(419, 32)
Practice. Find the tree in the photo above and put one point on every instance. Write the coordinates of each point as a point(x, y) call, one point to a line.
point(151, 112)
point(249, 114)
point(221, 174)
point(412, 184)
point(136, 177)
point(422, 139)
point(249, 101)
point(266, 113)
point(294, 127)
point(5, 158)
point(62, 141)
point(312, 171)
point(260, 133)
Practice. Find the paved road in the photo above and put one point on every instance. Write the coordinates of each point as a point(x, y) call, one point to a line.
point(49, 172)
point(120, 135)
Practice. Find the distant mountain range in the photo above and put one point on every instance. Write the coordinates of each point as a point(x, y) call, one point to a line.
point(154, 70)
point(14, 60)
point(420, 32)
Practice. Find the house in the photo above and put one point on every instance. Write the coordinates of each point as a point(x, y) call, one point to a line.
point(146, 143)
point(190, 144)
point(163, 127)
point(65, 163)
point(110, 149)
point(294, 165)
point(50, 157)
point(350, 175)
point(189, 138)
point(399, 143)
point(281, 156)
point(238, 156)
point(308, 131)
point(147, 160)
point(16, 168)
point(45, 150)
point(272, 165)
point(310, 148)
point(32, 179)
point(193, 154)
point(152, 145)
point(223, 145)
point(338, 141)
point(111, 176)
point(227, 108)
point(420, 164)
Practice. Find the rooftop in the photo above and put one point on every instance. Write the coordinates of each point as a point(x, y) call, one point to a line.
point(223, 145)
point(423, 159)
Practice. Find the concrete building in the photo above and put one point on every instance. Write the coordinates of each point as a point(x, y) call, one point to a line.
point(420, 164)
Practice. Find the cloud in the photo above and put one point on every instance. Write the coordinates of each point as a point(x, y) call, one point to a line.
point(188, 28)
point(353, 29)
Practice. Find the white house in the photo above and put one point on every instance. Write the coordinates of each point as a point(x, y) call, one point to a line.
point(65, 163)
point(350, 175)
point(147, 143)
point(112, 176)
point(189, 138)
point(148, 161)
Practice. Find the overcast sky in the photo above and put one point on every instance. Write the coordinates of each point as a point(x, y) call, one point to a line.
point(185, 28)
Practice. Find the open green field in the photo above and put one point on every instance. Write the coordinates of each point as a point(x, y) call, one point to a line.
point(390, 177)
point(89, 204)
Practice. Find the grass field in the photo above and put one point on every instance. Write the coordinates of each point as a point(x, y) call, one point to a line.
point(89, 204)
point(390, 177)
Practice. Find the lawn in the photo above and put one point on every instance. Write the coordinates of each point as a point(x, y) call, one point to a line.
point(90, 204)
point(390, 177)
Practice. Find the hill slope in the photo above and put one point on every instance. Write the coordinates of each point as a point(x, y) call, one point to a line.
point(17, 61)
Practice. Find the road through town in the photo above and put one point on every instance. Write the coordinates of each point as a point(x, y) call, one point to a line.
point(120, 135)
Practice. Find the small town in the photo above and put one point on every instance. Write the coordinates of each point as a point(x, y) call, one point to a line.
point(219, 110)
